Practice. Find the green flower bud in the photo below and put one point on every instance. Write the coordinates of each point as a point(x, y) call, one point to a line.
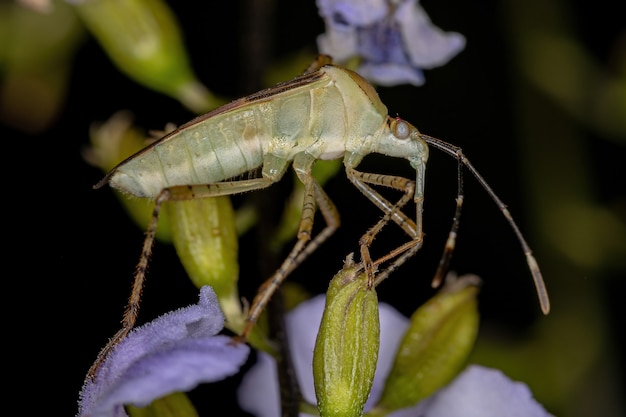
point(435, 347)
point(143, 39)
point(346, 349)
point(204, 235)
point(36, 53)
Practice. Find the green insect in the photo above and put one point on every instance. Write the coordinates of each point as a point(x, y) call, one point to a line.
point(328, 112)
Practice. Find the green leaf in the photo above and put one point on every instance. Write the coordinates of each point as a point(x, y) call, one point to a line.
point(435, 347)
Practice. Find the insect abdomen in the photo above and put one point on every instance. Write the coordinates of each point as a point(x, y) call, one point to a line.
point(209, 151)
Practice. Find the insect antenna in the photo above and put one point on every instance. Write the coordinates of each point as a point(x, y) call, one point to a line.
point(457, 153)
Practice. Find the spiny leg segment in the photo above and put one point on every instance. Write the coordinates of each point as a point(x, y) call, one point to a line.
point(132, 307)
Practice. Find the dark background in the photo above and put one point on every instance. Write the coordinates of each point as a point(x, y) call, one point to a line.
point(75, 249)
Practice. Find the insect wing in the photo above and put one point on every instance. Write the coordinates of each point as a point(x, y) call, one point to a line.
point(305, 81)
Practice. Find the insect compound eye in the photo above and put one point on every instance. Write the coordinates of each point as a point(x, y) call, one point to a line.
point(400, 128)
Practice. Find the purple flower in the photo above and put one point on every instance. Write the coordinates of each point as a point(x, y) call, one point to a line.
point(395, 39)
point(477, 391)
point(175, 352)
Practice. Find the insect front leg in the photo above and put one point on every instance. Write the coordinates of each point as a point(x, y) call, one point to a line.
point(392, 211)
point(314, 197)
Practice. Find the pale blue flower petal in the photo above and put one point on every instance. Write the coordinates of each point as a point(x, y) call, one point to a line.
point(339, 44)
point(176, 368)
point(258, 392)
point(484, 392)
point(389, 74)
point(302, 324)
point(426, 45)
point(382, 43)
point(344, 13)
point(175, 352)
point(199, 320)
point(259, 396)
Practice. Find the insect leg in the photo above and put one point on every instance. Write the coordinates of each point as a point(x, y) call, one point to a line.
point(392, 211)
point(448, 248)
point(314, 197)
point(132, 307)
point(318, 63)
point(410, 248)
point(178, 193)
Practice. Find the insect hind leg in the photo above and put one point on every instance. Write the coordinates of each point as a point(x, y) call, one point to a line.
point(132, 307)
point(314, 197)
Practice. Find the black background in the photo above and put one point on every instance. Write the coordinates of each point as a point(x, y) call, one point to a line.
point(70, 250)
